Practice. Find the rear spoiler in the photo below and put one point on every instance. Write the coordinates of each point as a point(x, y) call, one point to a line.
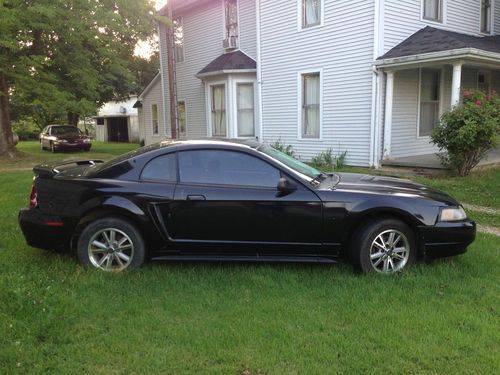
point(50, 170)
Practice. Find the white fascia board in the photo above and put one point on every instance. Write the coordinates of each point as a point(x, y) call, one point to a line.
point(223, 72)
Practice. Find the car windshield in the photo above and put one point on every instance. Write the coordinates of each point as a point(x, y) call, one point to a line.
point(65, 130)
point(292, 163)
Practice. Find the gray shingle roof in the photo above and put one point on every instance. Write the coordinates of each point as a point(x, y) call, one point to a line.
point(430, 39)
point(235, 60)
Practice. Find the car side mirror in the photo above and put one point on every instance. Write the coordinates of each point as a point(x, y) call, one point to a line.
point(285, 187)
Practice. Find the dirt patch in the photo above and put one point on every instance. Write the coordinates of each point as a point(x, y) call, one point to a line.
point(486, 210)
point(489, 230)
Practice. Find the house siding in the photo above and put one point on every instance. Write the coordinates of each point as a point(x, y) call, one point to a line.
point(496, 17)
point(203, 35)
point(343, 49)
point(403, 18)
point(248, 27)
point(153, 96)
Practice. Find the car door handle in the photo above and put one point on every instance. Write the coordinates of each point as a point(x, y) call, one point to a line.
point(196, 198)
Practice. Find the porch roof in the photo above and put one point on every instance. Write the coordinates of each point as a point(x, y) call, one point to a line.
point(230, 62)
point(430, 43)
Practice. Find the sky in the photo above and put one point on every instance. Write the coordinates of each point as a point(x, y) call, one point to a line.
point(144, 48)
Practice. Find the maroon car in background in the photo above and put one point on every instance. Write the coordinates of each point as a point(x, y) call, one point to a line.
point(64, 137)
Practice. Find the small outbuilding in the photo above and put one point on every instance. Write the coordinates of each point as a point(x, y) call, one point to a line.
point(118, 121)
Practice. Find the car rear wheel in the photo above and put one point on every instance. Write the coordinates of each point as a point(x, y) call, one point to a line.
point(385, 246)
point(111, 244)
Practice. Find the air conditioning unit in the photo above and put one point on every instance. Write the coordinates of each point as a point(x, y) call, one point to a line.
point(230, 43)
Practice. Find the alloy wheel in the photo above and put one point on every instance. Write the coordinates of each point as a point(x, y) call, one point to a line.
point(111, 249)
point(389, 251)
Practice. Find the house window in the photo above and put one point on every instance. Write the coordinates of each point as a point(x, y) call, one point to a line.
point(218, 94)
point(154, 118)
point(100, 121)
point(311, 13)
point(430, 93)
point(231, 20)
point(246, 112)
point(486, 16)
point(311, 104)
point(484, 82)
point(181, 108)
point(433, 10)
point(178, 39)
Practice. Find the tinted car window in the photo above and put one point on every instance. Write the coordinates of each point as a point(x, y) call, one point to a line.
point(65, 130)
point(226, 168)
point(162, 168)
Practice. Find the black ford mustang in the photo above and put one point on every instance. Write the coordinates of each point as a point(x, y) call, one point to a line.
point(239, 201)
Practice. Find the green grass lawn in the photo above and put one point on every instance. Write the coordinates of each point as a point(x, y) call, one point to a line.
point(439, 318)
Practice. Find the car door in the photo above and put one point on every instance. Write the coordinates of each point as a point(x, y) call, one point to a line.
point(227, 201)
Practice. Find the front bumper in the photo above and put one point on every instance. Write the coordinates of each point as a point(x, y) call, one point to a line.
point(72, 146)
point(447, 238)
point(43, 231)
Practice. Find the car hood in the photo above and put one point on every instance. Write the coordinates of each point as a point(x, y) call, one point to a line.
point(369, 184)
point(72, 137)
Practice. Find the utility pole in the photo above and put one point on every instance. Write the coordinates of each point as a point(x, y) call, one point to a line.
point(172, 74)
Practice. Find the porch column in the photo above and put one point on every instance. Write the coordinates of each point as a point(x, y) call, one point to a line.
point(456, 83)
point(389, 96)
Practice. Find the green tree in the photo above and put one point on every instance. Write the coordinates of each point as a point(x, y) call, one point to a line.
point(67, 57)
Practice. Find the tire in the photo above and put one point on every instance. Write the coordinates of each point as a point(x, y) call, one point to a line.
point(97, 248)
point(371, 249)
point(86, 149)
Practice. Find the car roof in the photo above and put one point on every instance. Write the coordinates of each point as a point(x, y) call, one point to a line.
point(251, 143)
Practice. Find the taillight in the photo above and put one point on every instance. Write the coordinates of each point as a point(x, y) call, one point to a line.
point(33, 197)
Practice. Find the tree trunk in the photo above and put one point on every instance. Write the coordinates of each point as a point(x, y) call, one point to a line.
point(7, 147)
point(73, 118)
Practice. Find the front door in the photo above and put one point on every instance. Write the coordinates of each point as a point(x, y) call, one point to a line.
point(227, 202)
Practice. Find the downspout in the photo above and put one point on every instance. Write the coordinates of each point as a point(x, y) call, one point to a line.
point(378, 36)
point(259, 71)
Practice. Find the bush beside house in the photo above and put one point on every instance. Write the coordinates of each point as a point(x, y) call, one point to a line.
point(468, 131)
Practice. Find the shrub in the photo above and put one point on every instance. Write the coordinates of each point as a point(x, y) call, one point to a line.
point(281, 146)
point(468, 131)
point(326, 160)
point(26, 130)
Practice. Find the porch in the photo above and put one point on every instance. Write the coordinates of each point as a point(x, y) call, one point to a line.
point(432, 161)
point(424, 77)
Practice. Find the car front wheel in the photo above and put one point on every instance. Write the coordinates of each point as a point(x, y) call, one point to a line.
point(385, 246)
point(111, 244)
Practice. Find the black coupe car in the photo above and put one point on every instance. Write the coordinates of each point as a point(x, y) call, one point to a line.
point(237, 201)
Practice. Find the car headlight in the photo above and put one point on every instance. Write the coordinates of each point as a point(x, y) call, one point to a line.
point(86, 140)
point(452, 214)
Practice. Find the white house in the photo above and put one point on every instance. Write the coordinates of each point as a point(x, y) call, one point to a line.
point(118, 122)
point(367, 76)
